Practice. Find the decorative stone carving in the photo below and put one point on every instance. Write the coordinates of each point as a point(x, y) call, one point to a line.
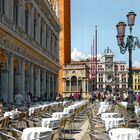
point(22, 52)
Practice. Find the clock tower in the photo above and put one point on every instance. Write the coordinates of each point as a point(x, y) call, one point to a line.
point(109, 66)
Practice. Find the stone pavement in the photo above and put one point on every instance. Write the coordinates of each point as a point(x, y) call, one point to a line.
point(83, 133)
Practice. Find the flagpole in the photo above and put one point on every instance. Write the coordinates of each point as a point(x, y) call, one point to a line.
point(96, 56)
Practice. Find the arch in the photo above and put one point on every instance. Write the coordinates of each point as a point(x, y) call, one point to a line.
point(73, 83)
point(16, 65)
point(109, 88)
point(3, 62)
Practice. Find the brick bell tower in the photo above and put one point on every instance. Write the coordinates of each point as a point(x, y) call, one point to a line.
point(64, 38)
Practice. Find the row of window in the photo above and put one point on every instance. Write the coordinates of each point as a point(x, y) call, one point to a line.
point(44, 36)
point(116, 86)
point(136, 80)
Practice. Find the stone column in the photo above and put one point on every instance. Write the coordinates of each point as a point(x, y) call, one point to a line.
point(10, 79)
point(57, 83)
point(87, 85)
point(84, 85)
point(70, 86)
point(38, 83)
point(27, 81)
point(31, 78)
point(57, 48)
point(64, 84)
point(4, 85)
point(22, 87)
point(44, 82)
point(17, 77)
point(48, 84)
point(77, 83)
point(53, 92)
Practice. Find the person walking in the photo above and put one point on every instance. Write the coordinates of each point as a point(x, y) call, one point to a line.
point(19, 100)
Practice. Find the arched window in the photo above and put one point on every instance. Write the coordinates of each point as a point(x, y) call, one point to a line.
point(74, 83)
point(41, 33)
point(67, 85)
point(79, 85)
point(2, 5)
point(26, 20)
point(15, 11)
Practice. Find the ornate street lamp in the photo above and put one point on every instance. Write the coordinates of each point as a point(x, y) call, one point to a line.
point(130, 44)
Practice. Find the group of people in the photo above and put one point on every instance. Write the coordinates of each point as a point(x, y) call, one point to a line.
point(100, 96)
point(19, 99)
point(108, 96)
point(73, 96)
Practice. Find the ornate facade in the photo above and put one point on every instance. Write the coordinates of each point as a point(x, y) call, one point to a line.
point(111, 75)
point(136, 79)
point(75, 78)
point(29, 52)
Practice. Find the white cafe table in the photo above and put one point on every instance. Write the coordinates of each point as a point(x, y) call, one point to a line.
point(68, 110)
point(52, 123)
point(33, 133)
point(12, 114)
point(59, 114)
point(104, 103)
point(123, 134)
point(113, 122)
point(105, 116)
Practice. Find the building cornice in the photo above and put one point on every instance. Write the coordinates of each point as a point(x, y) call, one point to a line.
point(6, 40)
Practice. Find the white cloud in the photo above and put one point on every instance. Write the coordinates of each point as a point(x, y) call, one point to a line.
point(136, 64)
point(77, 55)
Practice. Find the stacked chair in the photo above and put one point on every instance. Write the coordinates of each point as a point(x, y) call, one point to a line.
point(96, 128)
point(15, 129)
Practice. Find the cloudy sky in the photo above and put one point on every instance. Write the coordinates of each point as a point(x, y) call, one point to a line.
point(85, 14)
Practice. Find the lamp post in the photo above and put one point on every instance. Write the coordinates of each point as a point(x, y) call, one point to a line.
point(131, 43)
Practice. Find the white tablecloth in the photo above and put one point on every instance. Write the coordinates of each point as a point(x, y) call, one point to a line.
point(104, 108)
point(36, 132)
point(123, 134)
point(124, 104)
point(105, 116)
point(137, 110)
point(113, 122)
point(51, 123)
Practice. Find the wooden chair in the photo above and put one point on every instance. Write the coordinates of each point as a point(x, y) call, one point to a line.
point(96, 126)
point(61, 130)
point(4, 121)
point(4, 136)
point(16, 135)
point(98, 136)
point(70, 121)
